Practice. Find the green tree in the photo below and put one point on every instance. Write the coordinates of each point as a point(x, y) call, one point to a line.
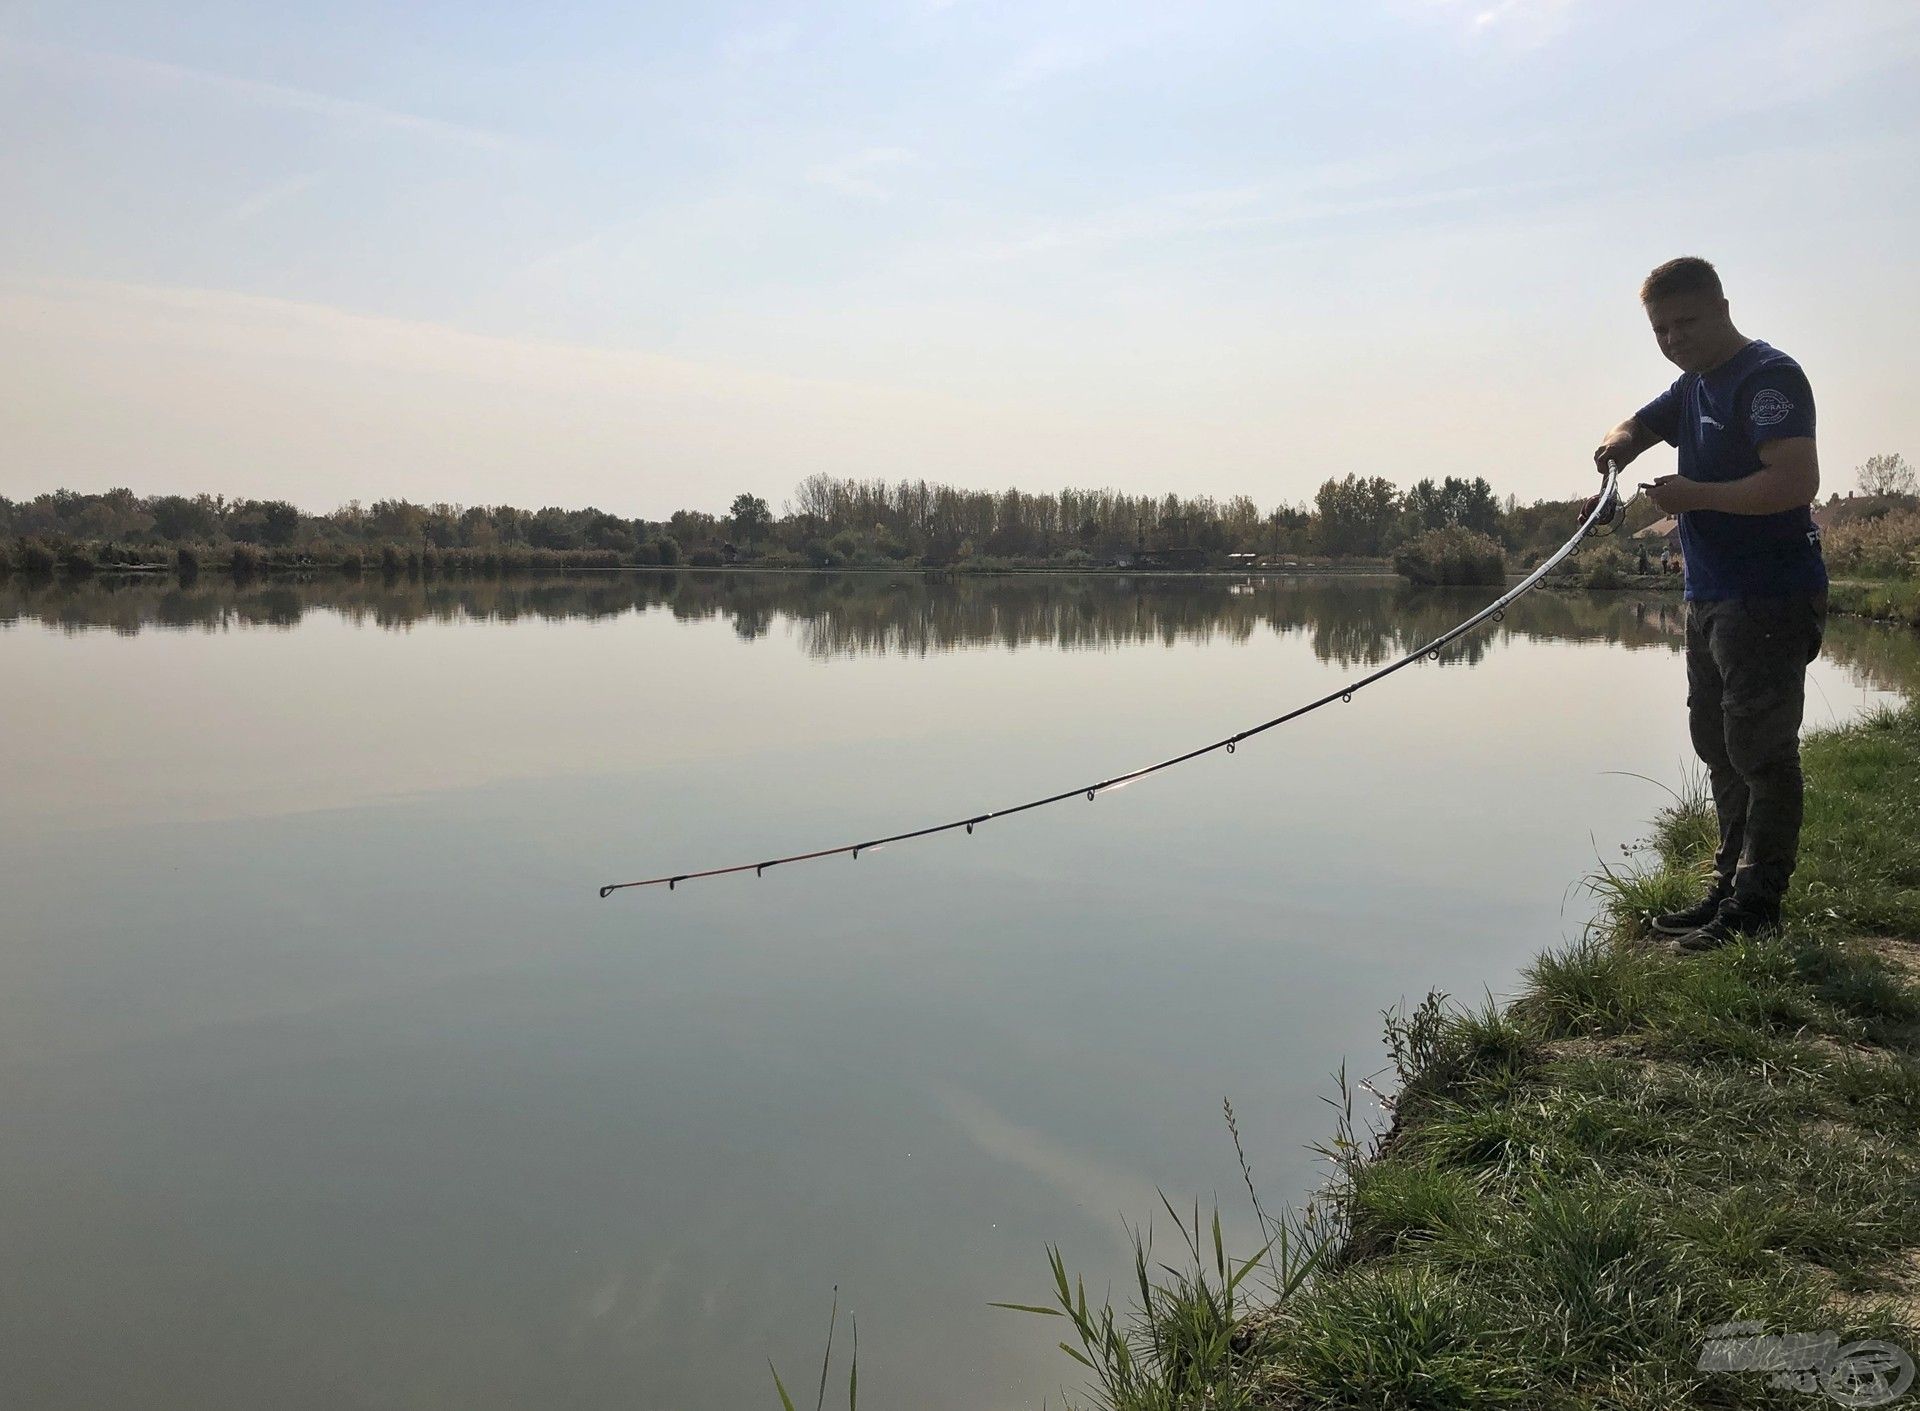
point(270, 522)
point(1466, 504)
point(693, 527)
point(175, 517)
point(552, 528)
point(279, 522)
point(751, 518)
point(607, 531)
point(1355, 514)
point(397, 521)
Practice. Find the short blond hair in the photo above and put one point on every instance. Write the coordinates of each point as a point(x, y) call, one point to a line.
point(1687, 275)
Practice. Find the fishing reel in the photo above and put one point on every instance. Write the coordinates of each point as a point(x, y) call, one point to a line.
point(1609, 524)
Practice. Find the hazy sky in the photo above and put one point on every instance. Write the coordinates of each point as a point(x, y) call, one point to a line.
point(650, 256)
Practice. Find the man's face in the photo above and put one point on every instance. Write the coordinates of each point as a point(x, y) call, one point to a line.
point(1691, 329)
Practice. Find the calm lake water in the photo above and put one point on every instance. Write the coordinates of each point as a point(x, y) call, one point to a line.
point(329, 1082)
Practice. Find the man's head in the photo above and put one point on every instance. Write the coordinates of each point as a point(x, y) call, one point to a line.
point(1688, 311)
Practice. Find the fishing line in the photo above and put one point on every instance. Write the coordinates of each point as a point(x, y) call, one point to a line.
point(1606, 507)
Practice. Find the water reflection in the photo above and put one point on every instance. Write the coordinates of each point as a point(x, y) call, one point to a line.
point(838, 615)
point(1349, 621)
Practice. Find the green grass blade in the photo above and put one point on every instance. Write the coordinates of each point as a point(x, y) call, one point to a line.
point(786, 1401)
point(1059, 1264)
point(1248, 1267)
point(833, 1317)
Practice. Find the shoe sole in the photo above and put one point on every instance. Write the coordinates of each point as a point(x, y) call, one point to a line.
point(1672, 930)
point(1694, 941)
point(1697, 947)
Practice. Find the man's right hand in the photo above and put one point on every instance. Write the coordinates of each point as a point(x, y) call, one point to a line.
point(1618, 447)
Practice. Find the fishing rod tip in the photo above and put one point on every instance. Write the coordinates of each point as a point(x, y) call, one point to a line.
point(605, 892)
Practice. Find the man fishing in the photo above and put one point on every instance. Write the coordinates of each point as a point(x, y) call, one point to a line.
point(1741, 415)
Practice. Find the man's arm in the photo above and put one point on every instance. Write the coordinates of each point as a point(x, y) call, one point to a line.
point(1776, 411)
point(1657, 421)
point(1789, 477)
point(1622, 444)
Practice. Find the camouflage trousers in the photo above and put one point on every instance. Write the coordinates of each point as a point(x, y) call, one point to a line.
point(1746, 689)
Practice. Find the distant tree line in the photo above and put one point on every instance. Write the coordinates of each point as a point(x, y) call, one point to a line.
point(830, 522)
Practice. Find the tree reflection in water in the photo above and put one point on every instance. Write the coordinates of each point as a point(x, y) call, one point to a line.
point(1349, 620)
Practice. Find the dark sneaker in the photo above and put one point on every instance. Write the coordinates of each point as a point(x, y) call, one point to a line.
point(1733, 922)
point(1692, 918)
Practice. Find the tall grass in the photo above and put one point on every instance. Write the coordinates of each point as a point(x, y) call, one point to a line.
point(1181, 1344)
point(826, 1365)
point(1883, 546)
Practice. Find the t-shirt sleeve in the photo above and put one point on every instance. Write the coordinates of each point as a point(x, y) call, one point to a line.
point(1661, 416)
point(1776, 403)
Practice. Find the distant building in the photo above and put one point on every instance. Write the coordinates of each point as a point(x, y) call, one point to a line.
point(1663, 534)
point(1666, 531)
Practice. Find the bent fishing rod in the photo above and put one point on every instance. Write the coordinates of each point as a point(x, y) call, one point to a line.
point(1606, 506)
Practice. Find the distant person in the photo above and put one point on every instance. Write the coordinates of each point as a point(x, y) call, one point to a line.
point(1741, 414)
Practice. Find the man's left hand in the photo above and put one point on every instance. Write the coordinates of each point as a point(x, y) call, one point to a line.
point(1677, 495)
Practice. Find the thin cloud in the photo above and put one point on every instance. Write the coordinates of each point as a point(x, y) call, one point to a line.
point(1063, 54)
point(1527, 23)
point(101, 66)
point(859, 173)
point(750, 45)
point(1054, 58)
point(268, 197)
point(1229, 210)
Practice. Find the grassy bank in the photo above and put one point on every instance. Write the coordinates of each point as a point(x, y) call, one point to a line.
point(1578, 1185)
point(1884, 599)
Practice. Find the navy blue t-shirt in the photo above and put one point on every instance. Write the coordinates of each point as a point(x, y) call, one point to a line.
point(1719, 420)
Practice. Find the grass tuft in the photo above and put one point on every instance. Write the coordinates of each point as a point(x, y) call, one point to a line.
point(1592, 988)
point(1399, 1336)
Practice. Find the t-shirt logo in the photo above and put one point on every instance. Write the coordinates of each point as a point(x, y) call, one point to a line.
point(1770, 407)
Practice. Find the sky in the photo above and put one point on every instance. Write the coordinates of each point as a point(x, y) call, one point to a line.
point(652, 256)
